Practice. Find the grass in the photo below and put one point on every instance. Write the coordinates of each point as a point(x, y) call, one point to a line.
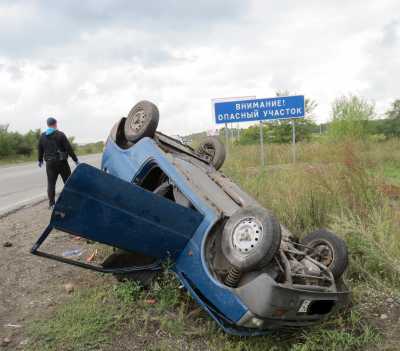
point(81, 324)
point(344, 193)
point(391, 171)
point(165, 318)
point(338, 334)
point(341, 187)
point(17, 159)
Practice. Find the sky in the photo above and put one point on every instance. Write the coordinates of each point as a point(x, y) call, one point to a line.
point(88, 62)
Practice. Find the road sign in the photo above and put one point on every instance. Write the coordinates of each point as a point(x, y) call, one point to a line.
point(281, 107)
point(226, 130)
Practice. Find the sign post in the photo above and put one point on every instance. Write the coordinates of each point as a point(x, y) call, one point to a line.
point(226, 138)
point(262, 144)
point(268, 109)
point(217, 100)
point(294, 140)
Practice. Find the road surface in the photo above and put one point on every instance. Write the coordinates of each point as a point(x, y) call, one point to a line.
point(23, 184)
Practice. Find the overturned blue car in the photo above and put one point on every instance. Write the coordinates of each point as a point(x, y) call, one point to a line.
point(156, 199)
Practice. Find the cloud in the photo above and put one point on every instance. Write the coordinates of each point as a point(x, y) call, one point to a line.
point(383, 65)
point(31, 29)
point(88, 62)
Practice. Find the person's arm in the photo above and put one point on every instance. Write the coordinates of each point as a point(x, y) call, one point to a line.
point(40, 151)
point(68, 148)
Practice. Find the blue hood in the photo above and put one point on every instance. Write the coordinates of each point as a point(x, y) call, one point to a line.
point(50, 131)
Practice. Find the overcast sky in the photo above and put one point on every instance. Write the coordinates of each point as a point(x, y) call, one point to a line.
point(88, 62)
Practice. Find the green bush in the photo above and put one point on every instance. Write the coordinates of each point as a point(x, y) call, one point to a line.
point(350, 116)
point(90, 148)
point(278, 132)
point(14, 144)
point(251, 135)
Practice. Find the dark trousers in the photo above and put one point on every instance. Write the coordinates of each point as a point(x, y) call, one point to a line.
point(53, 169)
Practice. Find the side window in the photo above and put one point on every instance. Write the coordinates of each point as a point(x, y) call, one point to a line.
point(152, 178)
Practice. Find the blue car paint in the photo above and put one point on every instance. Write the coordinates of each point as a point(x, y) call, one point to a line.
point(190, 264)
point(87, 207)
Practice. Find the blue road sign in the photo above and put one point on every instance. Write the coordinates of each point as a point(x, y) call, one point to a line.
point(281, 107)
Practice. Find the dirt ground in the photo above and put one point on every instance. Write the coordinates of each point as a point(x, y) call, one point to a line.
point(32, 286)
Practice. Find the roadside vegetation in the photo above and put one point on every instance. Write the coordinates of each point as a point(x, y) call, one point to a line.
point(126, 316)
point(352, 118)
point(16, 147)
point(347, 180)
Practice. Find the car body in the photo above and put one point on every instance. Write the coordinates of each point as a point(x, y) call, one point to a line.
point(121, 205)
point(215, 196)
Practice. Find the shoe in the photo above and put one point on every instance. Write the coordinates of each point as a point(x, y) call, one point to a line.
point(51, 207)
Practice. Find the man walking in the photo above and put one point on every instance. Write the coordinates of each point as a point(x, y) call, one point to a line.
point(55, 148)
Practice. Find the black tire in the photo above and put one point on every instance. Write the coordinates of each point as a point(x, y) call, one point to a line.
point(121, 258)
point(261, 244)
point(142, 121)
point(117, 134)
point(328, 248)
point(213, 149)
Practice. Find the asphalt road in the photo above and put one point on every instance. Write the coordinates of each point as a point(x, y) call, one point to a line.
point(23, 184)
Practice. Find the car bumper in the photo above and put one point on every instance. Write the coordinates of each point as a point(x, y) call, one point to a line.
point(281, 305)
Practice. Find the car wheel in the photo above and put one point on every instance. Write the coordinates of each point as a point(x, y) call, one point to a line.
point(142, 121)
point(251, 238)
point(214, 150)
point(329, 249)
point(117, 134)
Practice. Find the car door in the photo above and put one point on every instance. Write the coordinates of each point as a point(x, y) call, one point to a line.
point(103, 208)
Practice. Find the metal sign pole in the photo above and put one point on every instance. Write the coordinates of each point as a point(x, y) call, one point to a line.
point(262, 145)
point(294, 140)
point(226, 138)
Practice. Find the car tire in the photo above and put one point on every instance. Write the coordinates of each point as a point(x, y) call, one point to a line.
point(117, 134)
point(142, 121)
point(213, 149)
point(327, 248)
point(251, 238)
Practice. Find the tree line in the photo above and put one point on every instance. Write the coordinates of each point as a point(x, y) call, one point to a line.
point(352, 117)
point(15, 145)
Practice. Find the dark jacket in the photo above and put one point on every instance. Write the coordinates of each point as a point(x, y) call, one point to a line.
point(55, 146)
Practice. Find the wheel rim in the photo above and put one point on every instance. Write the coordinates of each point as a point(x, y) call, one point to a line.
point(246, 235)
point(323, 252)
point(138, 121)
